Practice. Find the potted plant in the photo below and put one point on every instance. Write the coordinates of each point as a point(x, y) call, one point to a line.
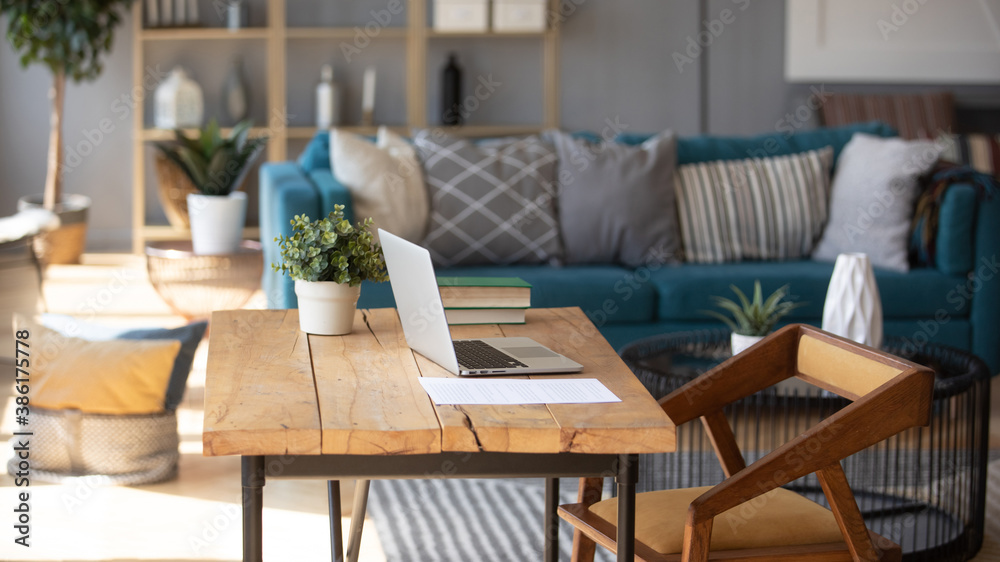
point(752, 320)
point(70, 39)
point(328, 259)
point(216, 167)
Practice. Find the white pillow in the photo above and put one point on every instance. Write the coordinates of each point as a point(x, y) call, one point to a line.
point(871, 201)
point(385, 181)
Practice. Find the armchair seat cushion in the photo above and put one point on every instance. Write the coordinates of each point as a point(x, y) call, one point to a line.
point(777, 518)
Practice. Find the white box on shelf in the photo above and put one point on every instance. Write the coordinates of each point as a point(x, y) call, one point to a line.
point(519, 15)
point(461, 15)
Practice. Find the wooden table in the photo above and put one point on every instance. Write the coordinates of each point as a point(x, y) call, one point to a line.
point(336, 407)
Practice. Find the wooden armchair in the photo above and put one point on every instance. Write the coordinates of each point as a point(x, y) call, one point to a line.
point(753, 517)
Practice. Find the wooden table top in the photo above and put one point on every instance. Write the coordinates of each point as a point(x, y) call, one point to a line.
point(272, 389)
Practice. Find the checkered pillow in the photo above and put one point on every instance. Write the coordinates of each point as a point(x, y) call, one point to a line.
point(490, 204)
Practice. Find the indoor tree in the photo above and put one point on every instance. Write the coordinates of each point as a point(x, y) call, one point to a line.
point(69, 37)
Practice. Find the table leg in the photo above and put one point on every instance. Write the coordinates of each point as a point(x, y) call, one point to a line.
point(358, 519)
point(253, 508)
point(551, 520)
point(336, 531)
point(628, 474)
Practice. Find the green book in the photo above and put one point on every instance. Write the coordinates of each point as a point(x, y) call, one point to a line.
point(484, 292)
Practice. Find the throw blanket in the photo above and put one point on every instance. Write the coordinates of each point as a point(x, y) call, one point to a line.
point(923, 245)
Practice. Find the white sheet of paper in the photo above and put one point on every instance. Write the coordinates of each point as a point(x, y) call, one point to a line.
point(517, 391)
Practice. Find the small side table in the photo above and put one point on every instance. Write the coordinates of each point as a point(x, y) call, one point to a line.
point(193, 285)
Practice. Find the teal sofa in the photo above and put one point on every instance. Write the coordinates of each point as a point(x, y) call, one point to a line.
point(955, 303)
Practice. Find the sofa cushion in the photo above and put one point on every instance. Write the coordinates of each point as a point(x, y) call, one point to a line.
point(753, 209)
point(607, 294)
point(316, 156)
point(617, 202)
point(708, 148)
point(385, 181)
point(956, 223)
point(490, 205)
point(685, 292)
point(872, 198)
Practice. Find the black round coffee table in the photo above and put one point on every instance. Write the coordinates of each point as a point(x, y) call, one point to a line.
point(925, 489)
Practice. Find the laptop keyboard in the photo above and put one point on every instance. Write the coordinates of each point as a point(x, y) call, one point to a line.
point(476, 354)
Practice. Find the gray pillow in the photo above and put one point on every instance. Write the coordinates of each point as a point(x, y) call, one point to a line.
point(871, 202)
point(617, 202)
point(489, 204)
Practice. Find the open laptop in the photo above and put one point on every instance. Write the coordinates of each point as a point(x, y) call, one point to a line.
point(421, 313)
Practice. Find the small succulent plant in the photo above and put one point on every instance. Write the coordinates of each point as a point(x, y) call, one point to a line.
point(331, 249)
point(216, 165)
point(755, 317)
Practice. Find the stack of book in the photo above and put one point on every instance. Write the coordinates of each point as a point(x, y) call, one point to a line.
point(484, 300)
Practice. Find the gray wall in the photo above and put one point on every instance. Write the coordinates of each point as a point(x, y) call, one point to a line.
point(621, 62)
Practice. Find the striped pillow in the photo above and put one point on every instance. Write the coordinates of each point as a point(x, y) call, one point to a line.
point(981, 152)
point(754, 209)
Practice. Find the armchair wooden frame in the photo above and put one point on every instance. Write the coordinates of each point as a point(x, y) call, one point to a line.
point(888, 395)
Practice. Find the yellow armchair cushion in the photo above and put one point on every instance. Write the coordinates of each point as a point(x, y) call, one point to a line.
point(777, 518)
point(96, 377)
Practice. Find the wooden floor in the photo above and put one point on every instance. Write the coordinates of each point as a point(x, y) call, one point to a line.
point(197, 516)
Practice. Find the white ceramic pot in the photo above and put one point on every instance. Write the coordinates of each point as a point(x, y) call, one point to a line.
point(740, 342)
point(326, 308)
point(853, 307)
point(217, 222)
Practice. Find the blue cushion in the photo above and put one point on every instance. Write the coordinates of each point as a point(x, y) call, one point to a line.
point(686, 291)
point(189, 336)
point(710, 148)
point(956, 221)
point(607, 294)
point(316, 156)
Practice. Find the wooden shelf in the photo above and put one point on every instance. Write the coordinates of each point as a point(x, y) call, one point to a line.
point(341, 33)
point(488, 34)
point(166, 232)
point(195, 33)
point(152, 134)
point(415, 39)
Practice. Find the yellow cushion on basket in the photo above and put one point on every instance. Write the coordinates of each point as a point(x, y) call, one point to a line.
point(777, 518)
point(96, 377)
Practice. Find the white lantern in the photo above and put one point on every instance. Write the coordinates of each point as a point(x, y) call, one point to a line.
point(853, 307)
point(178, 102)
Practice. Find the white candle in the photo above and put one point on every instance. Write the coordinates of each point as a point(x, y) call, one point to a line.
point(368, 92)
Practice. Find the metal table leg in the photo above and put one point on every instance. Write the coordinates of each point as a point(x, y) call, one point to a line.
point(628, 474)
point(336, 531)
point(551, 520)
point(358, 519)
point(253, 508)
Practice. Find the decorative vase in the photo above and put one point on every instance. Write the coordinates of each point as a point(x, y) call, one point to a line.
point(235, 100)
point(853, 308)
point(178, 102)
point(327, 100)
point(451, 93)
point(739, 342)
point(326, 308)
point(216, 222)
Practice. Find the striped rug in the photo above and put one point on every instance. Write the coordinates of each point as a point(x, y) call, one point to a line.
point(990, 552)
point(467, 520)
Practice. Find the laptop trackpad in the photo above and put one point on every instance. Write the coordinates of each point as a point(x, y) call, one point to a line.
point(533, 352)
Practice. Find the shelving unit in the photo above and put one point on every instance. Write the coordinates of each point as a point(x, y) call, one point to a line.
point(415, 37)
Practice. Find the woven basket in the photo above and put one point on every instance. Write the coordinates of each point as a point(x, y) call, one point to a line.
point(122, 449)
point(174, 186)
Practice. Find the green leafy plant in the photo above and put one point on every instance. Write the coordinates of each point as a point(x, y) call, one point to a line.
point(69, 38)
point(216, 165)
point(756, 317)
point(331, 249)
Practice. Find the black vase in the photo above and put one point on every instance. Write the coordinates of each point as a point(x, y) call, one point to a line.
point(451, 93)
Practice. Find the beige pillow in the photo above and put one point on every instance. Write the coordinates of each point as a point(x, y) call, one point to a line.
point(96, 377)
point(385, 181)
